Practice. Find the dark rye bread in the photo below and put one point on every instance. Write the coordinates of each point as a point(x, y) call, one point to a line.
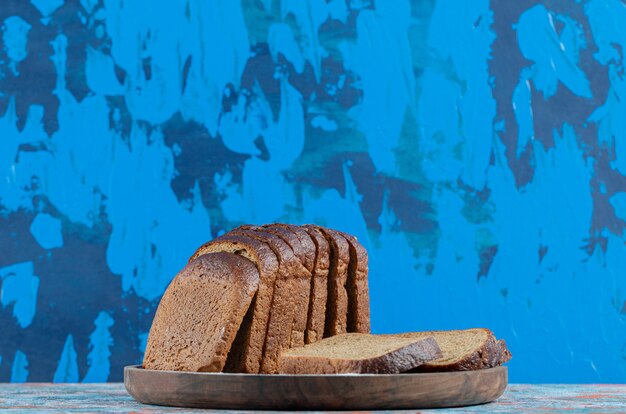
point(357, 287)
point(316, 315)
point(319, 286)
point(290, 289)
point(301, 307)
point(247, 351)
point(306, 254)
point(200, 313)
point(337, 297)
point(357, 353)
point(465, 350)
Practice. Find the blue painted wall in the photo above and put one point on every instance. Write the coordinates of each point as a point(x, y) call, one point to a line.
point(477, 148)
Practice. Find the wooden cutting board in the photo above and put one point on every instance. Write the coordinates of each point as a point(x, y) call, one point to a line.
point(315, 392)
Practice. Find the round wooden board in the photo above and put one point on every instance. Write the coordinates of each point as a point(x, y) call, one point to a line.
point(315, 392)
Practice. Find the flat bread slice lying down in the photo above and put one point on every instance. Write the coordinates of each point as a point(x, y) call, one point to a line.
point(357, 353)
point(463, 350)
point(200, 313)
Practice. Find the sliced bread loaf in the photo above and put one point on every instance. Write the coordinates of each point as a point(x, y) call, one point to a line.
point(357, 287)
point(305, 254)
point(464, 350)
point(200, 313)
point(319, 287)
point(290, 290)
point(247, 351)
point(358, 353)
point(307, 248)
point(337, 297)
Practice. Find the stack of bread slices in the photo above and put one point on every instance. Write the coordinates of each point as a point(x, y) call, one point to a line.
point(292, 299)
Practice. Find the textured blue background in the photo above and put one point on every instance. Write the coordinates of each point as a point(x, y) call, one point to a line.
point(478, 149)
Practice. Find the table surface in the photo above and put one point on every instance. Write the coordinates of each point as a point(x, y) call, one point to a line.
point(112, 398)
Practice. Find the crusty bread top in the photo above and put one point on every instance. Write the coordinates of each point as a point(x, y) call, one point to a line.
point(359, 353)
point(303, 245)
point(283, 233)
point(259, 253)
point(322, 256)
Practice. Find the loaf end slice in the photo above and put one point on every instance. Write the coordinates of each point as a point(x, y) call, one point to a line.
point(200, 313)
point(356, 353)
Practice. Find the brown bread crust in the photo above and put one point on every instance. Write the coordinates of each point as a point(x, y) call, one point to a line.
point(319, 286)
point(247, 355)
point(504, 353)
point(486, 355)
point(315, 316)
point(405, 357)
point(290, 289)
point(357, 287)
point(200, 313)
point(305, 251)
point(337, 296)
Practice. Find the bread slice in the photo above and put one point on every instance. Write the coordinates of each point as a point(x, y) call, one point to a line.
point(316, 306)
point(290, 291)
point(337, 297)
point(356, 353)
point(319, 287)
point(200, 313)
point(357, 287)
point(465, 350)
point(247, 351)
point(306, 254)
